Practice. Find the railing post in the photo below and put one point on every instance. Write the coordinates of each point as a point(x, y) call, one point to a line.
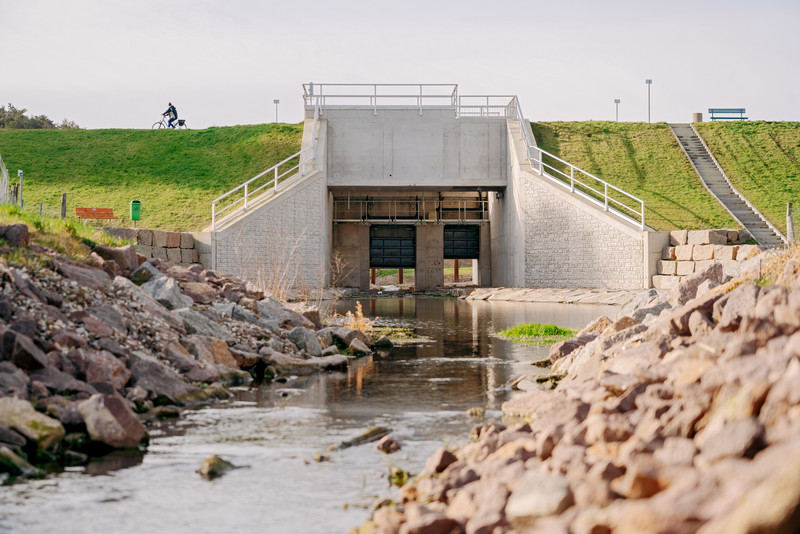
point(213, 215)
point(245, 197)
point(605, 195)
point(641, 203)
point(275, 181)
point(571, 179)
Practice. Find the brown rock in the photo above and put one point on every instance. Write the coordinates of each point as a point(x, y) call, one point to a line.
point(82, 274)
point(125, 257)
point(687, 289)
point(110, 422)
point(736, 439)
point(439, 460)
point(388, 445)
point(210, 350)
point(22, 351)
point(568, 346)
point(102, 366)
point(16, 235)
point(200, 292)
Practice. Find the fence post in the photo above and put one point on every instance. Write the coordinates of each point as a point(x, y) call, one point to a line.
point(64, 206)
point(790, 224)
point(41, 208)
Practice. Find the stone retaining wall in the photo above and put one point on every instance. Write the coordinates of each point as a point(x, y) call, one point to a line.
point(173, 247)
point(694, 250)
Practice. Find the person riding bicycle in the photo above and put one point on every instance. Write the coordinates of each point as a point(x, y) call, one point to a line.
point(172, 113)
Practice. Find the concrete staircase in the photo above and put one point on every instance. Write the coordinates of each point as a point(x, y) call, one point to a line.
point(716, 182)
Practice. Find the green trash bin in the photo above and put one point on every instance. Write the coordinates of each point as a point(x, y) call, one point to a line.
point(136, 210)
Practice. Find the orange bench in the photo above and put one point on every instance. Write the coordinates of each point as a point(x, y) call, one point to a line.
point(96, 213)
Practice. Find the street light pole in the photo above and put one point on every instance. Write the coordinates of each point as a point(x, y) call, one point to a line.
point(649, 82)
point(616, 103)
point(276, 102)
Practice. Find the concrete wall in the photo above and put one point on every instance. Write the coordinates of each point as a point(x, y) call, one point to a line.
point(282, 242)
point(429, 270)
point(402, 148)
point(350, 256)
point(566, 241)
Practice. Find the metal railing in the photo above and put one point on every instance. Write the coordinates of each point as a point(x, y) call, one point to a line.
point(597, 191)
point(376, 95)
point(415, 210)
point(271, 178)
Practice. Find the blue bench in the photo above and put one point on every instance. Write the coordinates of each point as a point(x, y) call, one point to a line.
point(719, 114)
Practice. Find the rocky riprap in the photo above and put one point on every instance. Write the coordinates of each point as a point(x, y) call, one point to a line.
point(89, 352)
point(680, 415)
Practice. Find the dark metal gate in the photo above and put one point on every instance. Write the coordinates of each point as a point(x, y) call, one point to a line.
point(393, 246)
point(462, 242)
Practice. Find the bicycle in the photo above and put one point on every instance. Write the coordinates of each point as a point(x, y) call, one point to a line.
point(180, 124)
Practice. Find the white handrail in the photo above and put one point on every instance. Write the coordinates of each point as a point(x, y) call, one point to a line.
point(570, 182)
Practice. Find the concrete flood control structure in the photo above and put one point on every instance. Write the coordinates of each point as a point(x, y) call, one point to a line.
point(410, 175)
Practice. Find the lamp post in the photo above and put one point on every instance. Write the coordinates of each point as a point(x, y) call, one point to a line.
point(649, 82)
point(616, 103)
point(276, 102)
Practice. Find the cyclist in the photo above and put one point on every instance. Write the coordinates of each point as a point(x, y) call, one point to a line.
point(173, 115)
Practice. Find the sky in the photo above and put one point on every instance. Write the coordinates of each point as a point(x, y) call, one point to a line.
point(117, 63)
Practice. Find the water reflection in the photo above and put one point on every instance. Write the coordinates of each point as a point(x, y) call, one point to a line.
point(420, 391)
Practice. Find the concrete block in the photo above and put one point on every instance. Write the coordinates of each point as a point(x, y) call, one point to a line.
point(678, 237)
point(725, 252)
point(707, 237)
point(666, 267)
point(733, 236)
point(744, 236)
point(746, 252)
point(700, 265)
point(702, 252)
point(173, 240)
point(187, 241)
point(204, 259)
point(144, 237)
point(683, 252)
point(145, 251)
point(196, 256)
point(160, 253)
point(186, 255)
point(174, 255)
point(684, 268)
point(665, 282)
point(668, 253)
point(159, 239)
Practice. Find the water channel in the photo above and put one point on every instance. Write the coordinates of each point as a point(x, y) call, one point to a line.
point(422, 391)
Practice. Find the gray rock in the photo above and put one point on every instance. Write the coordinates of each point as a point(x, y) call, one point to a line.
point(307, 340)
point(144, 273)
point(329, 351)
point(197, 323)
point(15, 464)
point(167, 292)
point(687, 290)
point(60, 383)
point(110, 317)
point(270, 308)
point(150, 305)
point(358, 348)
point(163, 385)
point(13, 381)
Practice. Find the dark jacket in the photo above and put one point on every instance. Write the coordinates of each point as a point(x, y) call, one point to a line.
point(172, 112)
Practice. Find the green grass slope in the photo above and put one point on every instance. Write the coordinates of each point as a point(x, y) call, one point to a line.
point(762, 159)
point(643, 159)
point(174, 173)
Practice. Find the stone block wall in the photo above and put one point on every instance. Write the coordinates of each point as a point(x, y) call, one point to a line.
point(571, 244)
point(694, 250)
point(173, 247)
point(282, 243)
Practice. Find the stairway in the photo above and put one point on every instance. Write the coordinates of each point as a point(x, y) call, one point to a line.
point(706, 167)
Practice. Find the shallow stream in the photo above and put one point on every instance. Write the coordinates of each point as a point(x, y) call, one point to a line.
point(422, 391)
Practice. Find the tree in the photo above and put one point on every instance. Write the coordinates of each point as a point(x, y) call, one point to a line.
point(13, 118)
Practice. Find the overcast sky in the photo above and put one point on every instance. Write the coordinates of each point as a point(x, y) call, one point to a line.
point(116, 63)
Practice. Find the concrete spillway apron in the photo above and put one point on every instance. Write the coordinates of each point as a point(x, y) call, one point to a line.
point(720, 186)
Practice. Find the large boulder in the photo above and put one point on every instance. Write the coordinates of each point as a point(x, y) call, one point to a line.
point(20, 416)
point(125, 256)
point(111, 423)
point(82, 274)
point(150, 305)
point(60, 383)
point(167, 292)
point(13, 381)
point(163, 385)
point(144, 273)
point(687, 290)
point(16, 235)
point(194, 370)
point(197, 323)
point(270, 308)
point(306, 340)
point(210, 349)
point(104, 367)
point(22, 351)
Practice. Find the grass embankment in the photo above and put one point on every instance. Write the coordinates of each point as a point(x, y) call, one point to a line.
point(643, 159)
point(762, 159)
point(65, 236)
point(537, 333)
point(174, 173)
